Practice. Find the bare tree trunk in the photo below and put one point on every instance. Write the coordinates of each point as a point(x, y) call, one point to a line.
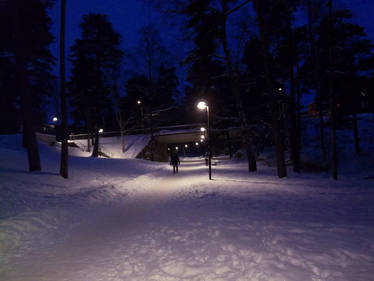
point(281, 165)
point(298, 114)
point(123, 140)
point(355, 131)
point(89, 131)
point(95, 152)
point(294, 145)
point(234, 78)
point(316, 78)
point(64, 141)
point(334, 157)
point(89, 142)
point(21, 77)
point(119, 116)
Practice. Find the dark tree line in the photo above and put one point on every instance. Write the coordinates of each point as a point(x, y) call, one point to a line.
point(281, 60)
point(250, 59)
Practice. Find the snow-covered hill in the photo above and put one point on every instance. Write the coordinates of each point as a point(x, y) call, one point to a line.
point(112, 147)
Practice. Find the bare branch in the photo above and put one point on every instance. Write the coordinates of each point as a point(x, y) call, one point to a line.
point(229, 12)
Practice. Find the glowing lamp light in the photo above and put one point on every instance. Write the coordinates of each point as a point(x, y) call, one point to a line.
point(55, 119)
point(202, 105)
point(202, 137)
point(139, 102)
point(176, 147)
point(101, 131)
point(196, 143)
point(202, 129)
point(186, 145)
point(202, 140)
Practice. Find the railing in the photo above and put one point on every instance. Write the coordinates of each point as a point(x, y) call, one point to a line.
point(136, 131)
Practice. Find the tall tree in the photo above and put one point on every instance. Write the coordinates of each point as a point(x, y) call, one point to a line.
point(64, 146)
point(29, 25)
point(234, 74)
point(96, 58)
point(270, 88)
point(333, 148)
point(312, 8)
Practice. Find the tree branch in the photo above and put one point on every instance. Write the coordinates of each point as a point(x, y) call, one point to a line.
point(229, 12)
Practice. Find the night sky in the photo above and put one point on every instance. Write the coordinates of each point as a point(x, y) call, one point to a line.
point(130, 15)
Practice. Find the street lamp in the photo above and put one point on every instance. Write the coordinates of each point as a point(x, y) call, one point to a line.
point(101, 131)
point(202, 105)
point(202, 129)
point(54, 119)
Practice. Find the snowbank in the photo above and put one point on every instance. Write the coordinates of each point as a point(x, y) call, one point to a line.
point(112, 147)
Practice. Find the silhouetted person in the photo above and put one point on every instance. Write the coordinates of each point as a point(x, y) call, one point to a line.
point(174, 160)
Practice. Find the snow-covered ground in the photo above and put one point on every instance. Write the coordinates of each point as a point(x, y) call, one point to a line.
point(128, 219)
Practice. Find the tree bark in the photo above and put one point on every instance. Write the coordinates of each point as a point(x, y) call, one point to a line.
point(355, 132)
point(64, 126)
point(281, 165)
point(316, 79)
point(294, 145)
point(234, 78)
point(95, 152)
point(123, 140)
point(334, 157)
point(28, 119)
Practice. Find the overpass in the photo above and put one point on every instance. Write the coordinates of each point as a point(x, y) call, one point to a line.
point(163, 138)
point(158, 146)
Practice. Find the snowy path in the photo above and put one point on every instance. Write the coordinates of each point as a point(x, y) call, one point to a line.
point(138, 221)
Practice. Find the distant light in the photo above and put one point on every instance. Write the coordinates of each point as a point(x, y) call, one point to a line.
point(202, 137)
point(55, 119)
point(202, 129)
point(280, 90)
point(202, 140)
point(186, 145)
point(168, 148)
point(101, 131)
point(176, 147)
point(202, 105)
point(139, 102)
point(196, 143)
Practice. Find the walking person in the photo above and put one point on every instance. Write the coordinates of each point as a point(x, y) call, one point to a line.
point(174, 160)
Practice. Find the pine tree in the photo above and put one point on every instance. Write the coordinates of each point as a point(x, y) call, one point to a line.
point(64, 142)
point(96, 57)
point(27, 24)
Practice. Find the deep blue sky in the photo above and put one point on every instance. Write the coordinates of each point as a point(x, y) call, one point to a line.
point(128, 16)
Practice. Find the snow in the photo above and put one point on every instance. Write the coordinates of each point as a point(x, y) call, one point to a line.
point(130, 219)
point(111, 146)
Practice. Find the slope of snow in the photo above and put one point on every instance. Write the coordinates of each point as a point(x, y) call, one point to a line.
point(112, 147)
point(120, 219)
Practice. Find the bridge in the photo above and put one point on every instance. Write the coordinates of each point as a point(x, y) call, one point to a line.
point(162, 138)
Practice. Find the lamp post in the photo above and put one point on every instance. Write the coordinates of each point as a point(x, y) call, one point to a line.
point(202, 105)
